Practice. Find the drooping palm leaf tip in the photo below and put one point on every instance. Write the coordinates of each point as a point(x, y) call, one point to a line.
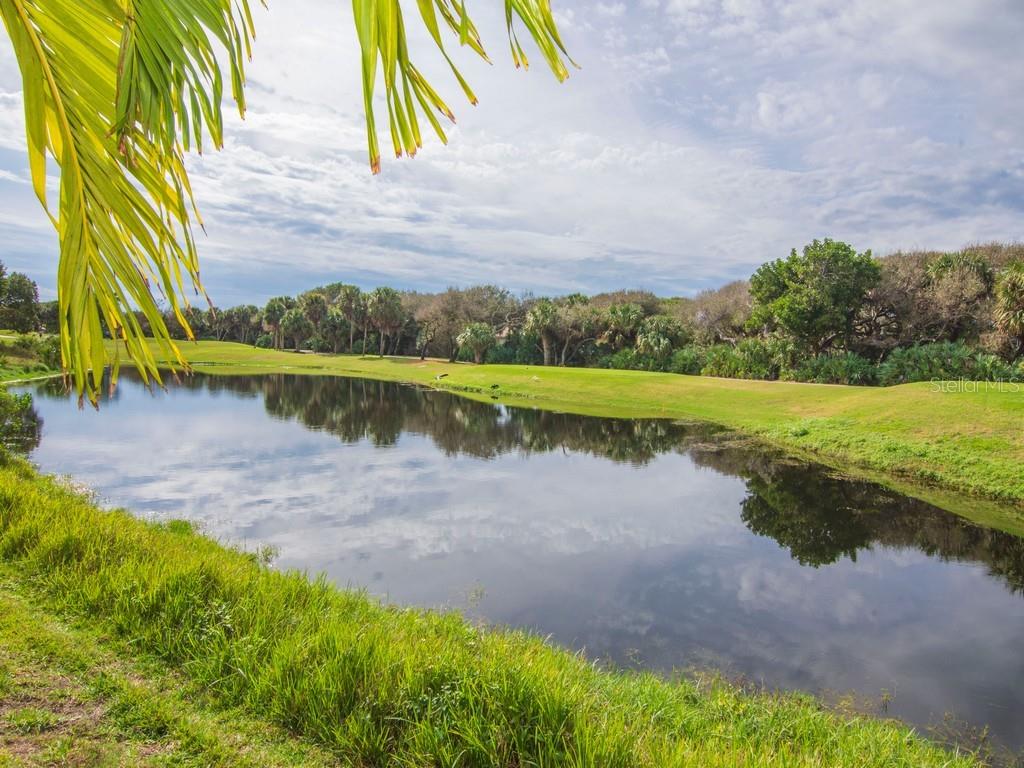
point(381, 29)
point(117, 91)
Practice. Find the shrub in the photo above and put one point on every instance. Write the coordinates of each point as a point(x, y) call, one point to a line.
point(840, 368)
point(631, 360)
point(750, 359)
point(265, 341)
point(319, 344)
point(943, 361)
point(48, 350)
point(687, 360)
point(503, 354)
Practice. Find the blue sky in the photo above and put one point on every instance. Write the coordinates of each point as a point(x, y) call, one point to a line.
point(699, 139)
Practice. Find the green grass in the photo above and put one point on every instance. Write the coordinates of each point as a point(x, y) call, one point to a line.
point(373, 685)
point(18, 364)
point(76, 697)
point(963, 451)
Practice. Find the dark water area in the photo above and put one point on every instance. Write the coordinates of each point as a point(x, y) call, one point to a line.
point(646, 543)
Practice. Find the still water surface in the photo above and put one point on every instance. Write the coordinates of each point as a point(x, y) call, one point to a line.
point(646, 543)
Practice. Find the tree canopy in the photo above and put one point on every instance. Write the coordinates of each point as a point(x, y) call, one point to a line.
point(815, 296)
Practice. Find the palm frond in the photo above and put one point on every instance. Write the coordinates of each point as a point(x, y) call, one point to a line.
point(122, 218)
point(169, 80)
point(407, 94)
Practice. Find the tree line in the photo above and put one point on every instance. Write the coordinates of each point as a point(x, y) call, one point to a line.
point(825, 313)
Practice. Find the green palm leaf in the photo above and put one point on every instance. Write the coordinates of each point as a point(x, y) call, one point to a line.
point(382, 40)
point(117, 91)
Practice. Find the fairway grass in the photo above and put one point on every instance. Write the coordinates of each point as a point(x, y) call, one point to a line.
point(960, 447)
point(370, 685)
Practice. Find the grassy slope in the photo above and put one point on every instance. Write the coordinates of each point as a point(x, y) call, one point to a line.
point(374, 685)
point(955, 449)
point(18, 365)
point(72, 696)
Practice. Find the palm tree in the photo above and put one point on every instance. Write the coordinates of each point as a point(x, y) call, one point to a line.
point(353, 306)
point(477, 338)
point(314, 306)
point(1010, 303)
point(384, 310)
point(115, 95)
point(542, 321)
point(272, 315)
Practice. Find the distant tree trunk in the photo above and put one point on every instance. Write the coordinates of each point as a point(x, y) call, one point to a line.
point(351, 337)
point(546, 345)
point(366, 331)
point(383, 338)
point(478, 356)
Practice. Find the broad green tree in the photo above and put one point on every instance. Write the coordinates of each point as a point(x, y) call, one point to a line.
point(578, 322)
point(296, 326)
point(19, 304)
point(814, 296)
point(477, 338)
point(117, 92)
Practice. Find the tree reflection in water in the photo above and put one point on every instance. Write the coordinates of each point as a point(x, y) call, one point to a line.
point(818, 517)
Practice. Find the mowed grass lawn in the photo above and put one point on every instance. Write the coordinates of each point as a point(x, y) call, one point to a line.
point(959, 447)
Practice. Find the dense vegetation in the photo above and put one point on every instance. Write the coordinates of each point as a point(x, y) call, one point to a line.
point(380, 685)
point(826, 314)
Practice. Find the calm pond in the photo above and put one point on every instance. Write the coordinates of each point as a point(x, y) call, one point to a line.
point(647, 543)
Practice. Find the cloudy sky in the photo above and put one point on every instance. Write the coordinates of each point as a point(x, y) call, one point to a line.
point(699, 139)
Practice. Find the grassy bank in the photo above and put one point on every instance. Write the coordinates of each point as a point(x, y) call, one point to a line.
point(372, 685)
point(21, 357)
point(961, 450)
point(74, 696)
